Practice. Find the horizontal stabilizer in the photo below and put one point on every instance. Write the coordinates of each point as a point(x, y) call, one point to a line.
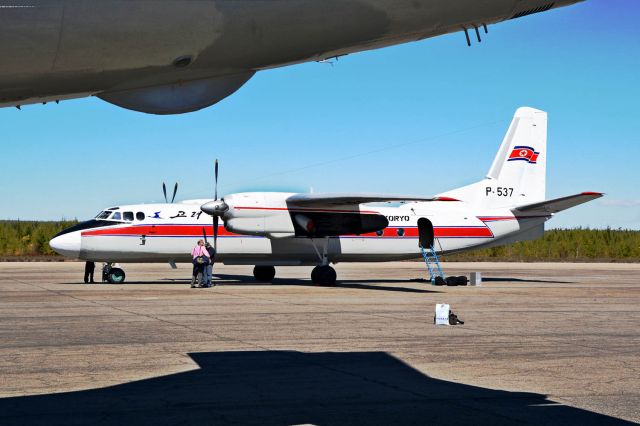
point(559, 204)
point(355, 199)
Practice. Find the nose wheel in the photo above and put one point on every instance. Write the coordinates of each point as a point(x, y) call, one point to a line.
point(113, 275)
point(324, 275)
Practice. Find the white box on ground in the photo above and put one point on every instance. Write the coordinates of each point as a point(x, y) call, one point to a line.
point(475, 278)
point(442, 314)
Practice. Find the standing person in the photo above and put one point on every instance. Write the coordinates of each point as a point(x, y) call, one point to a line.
point(89, 268)
point(209, 267)
point(200, 257)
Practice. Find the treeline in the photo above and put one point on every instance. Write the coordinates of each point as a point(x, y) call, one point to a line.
point(31, 239)
point(564, 245)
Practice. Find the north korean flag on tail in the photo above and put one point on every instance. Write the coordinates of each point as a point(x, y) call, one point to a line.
point(524, 153)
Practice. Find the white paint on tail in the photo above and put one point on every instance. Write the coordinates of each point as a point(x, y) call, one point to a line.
point(518, 173)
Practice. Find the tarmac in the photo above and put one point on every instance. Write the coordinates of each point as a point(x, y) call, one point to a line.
point(541, 344)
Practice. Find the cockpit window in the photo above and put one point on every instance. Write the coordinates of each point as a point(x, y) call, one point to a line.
point(128, 216)
point(116, 216)
point(140, 216)
point(103, 215)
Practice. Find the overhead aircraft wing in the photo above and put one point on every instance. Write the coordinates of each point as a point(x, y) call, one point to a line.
point(558, 204)
point(346, 198)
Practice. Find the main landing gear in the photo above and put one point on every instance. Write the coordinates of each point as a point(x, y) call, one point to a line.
point(323, 275)
point(264, 273)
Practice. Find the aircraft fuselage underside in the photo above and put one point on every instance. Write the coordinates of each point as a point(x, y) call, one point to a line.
point(142, 54)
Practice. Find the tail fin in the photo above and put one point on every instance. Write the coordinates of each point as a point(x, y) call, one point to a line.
point(518, 173)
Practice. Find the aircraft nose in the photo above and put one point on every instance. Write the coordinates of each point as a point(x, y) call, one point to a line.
point(67, 244)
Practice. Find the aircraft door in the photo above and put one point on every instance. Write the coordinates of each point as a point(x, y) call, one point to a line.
point(425, 232)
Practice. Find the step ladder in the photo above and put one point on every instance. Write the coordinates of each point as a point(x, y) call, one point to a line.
point(433, 264)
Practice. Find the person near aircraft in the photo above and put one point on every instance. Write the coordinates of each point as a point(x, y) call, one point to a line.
point(89, 268)
point(209, 267)
point(200, 257)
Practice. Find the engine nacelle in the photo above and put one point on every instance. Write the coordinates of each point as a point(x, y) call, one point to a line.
point(246, 226)
point(267, 214)
point(180, 97)
point(334, 224)
point(260, 214)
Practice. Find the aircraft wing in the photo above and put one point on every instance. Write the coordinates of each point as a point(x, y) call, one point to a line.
point(558, 204)
point(346, 198)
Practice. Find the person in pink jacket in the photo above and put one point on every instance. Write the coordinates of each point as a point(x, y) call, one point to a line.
point(200, 258)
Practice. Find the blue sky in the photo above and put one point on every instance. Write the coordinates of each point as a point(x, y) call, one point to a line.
point(419, 118)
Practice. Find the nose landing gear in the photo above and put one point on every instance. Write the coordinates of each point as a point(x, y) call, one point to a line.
point(112, 275)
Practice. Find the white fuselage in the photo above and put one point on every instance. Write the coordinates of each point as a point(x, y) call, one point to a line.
point(168, 232)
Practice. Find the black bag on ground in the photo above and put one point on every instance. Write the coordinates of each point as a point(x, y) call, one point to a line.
point(452, 281)
point(453, 319)
point(439, 280)
point(462, 280)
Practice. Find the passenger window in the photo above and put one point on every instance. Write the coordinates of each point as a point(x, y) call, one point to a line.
point(400, 232)
point(379, 233)
point(140, 216)
point(128, 216)
point(116, 216)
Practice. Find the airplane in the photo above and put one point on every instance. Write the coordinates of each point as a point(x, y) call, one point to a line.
point(269, 229)
point(178, 56)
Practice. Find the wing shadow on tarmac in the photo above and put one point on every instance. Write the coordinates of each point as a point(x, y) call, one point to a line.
point(288, 388)
point(241, 280)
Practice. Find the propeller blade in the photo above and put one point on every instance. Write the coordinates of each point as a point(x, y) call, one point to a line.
point(215, 233)
point(164, 191)
point(175, 190)
point(216, 184)
point(204, 234)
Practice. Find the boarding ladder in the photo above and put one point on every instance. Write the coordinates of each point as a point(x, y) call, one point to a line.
point(433, 264)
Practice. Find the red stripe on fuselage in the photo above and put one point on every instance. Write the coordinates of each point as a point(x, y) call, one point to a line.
point(196, 231)
point(161, 231)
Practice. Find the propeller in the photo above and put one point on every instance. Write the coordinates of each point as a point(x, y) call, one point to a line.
point(164, 191)
point(215, 232)
point(215, 198)
point(175, 190)
point(215, 208)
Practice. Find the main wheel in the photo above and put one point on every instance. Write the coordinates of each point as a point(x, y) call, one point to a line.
point(264, 273)
point(324, 275)
point(116, 276)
